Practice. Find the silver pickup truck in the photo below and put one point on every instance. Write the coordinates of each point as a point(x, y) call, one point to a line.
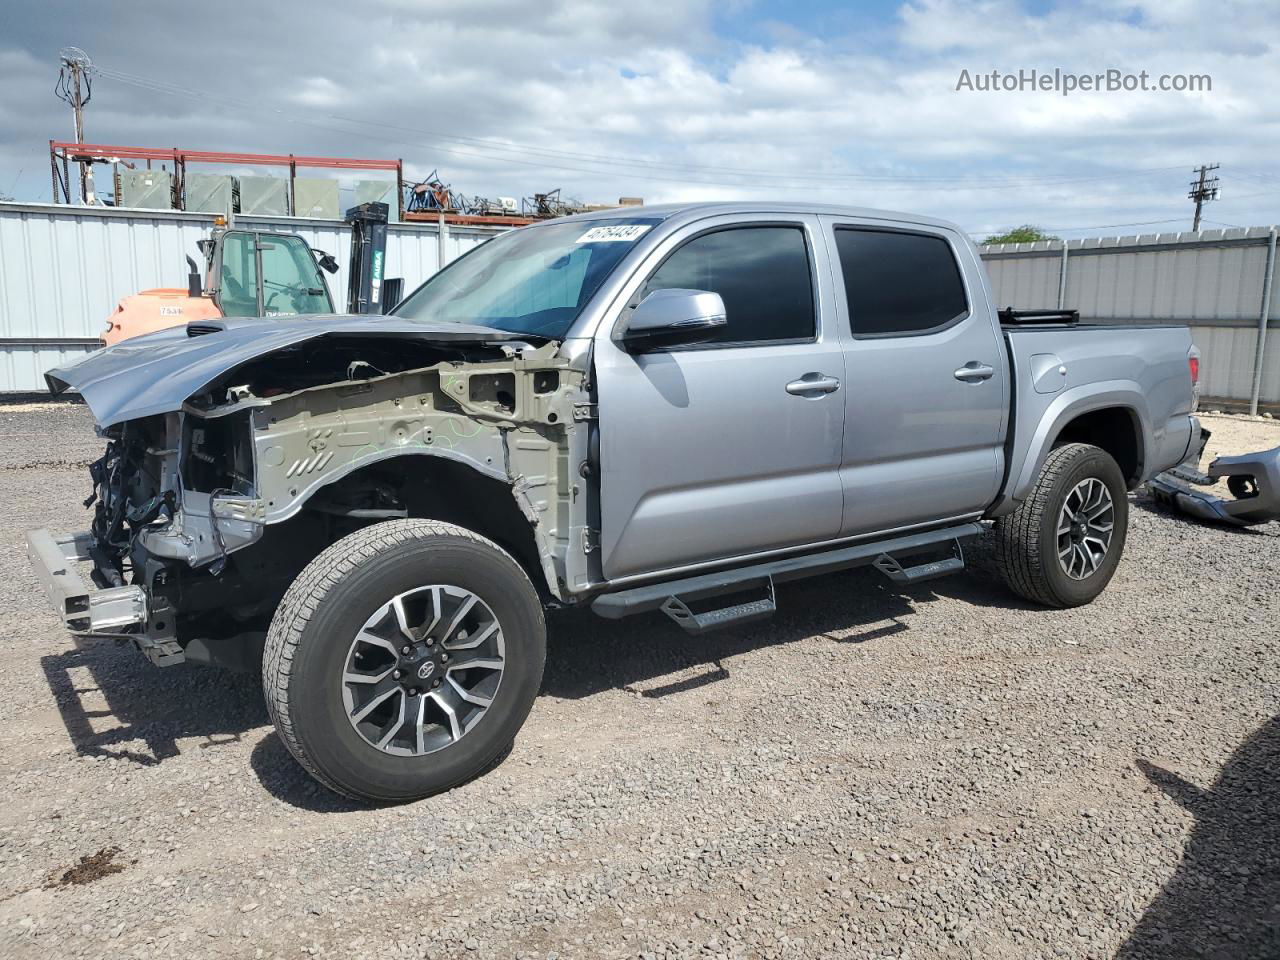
point(668, 408)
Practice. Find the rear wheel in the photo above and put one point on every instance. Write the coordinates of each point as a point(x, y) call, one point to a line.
point(404, 659)
point(1063, 543)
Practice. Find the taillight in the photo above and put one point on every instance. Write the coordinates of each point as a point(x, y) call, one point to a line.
point(1194, 364)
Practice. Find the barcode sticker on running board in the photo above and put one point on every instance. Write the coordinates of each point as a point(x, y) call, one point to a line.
point(625, 233)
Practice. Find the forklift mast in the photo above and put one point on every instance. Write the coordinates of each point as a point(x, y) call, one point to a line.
point(365, 288)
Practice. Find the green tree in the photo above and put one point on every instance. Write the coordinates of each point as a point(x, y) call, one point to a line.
point(1027, 233)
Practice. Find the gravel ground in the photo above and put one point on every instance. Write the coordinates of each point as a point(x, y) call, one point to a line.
point(936, 772)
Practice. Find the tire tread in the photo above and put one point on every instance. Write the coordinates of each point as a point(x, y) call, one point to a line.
point(305, 595)
point(1017, 542)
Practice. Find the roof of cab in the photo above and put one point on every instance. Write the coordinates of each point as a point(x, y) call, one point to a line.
point(694, 211)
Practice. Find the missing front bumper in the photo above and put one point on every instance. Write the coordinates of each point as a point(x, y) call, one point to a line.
point(84, 608)
point(92, 612)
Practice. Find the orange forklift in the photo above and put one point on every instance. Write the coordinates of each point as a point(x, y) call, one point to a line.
point(254, 273)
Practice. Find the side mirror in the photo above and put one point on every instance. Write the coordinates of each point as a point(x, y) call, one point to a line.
point(194, 287)
point(668, 318)
point(326, 261)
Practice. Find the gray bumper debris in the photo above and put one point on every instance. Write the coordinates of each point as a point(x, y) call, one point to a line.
point(1252, 478)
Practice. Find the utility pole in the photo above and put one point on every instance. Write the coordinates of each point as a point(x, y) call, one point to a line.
point(1202, 190)
point(75, 87)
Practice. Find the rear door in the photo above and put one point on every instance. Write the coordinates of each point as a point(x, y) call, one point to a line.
point(927, 385)
point(705, 454)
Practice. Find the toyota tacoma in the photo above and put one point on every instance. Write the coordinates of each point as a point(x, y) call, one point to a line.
point(665, 408)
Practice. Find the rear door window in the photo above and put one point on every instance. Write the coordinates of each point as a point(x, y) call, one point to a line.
point(899, 283)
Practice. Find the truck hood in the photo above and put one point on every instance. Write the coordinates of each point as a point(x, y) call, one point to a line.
point(158, 372)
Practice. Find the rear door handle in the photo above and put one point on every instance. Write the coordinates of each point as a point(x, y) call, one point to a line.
point(811, 384)
point(975, 372)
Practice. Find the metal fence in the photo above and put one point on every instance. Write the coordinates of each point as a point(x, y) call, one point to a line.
point(63, 269)
point(1219, 282)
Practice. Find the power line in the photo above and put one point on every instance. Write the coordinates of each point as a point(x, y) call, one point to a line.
point(904, 182)
point(1262, 178)
point(1093, 226)
point(1108, 226)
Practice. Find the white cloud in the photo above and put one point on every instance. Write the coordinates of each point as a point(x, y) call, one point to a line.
point(646, 99)
point(321, 92)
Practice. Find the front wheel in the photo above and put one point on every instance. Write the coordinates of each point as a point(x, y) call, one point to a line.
point(404, 659)
point(1061, 546)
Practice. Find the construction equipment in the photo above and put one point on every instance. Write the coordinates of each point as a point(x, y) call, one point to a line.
point(257, 273)
point(367, 291)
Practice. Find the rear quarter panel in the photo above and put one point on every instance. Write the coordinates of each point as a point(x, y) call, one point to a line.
point(1140, 369)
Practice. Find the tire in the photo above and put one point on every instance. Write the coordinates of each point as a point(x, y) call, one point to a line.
point(1028, 542)
point(334, 620)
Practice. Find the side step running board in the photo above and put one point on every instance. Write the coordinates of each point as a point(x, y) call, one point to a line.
point(732, 616)
point(674, 597)
point(896, 572)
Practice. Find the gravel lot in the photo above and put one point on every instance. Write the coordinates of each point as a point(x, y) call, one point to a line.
point(936, 772)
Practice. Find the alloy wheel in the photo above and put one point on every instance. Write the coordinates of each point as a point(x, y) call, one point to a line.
point(1084, 528)
point(423, 670)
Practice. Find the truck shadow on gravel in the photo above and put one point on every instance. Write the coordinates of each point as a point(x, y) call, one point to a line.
point(1224, 900)
point(115, 704)
point(587, 655)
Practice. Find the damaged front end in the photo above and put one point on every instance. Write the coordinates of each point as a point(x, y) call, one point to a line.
point(205, 513)
point(135, 498)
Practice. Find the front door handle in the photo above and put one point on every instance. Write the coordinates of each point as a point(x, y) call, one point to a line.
point(811, 384)
point(975, 372)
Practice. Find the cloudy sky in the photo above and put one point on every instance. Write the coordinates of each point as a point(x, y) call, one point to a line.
point(747, 98)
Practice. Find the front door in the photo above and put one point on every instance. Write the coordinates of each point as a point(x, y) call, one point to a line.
point(927, 391)
point(718, 450)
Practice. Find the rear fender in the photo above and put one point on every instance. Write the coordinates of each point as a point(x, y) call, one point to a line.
point(1035, 432)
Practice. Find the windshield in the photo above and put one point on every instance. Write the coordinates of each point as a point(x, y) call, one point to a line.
point(291, 280)
point(533, 281)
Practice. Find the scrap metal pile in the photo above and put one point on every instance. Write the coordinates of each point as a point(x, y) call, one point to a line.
point(433, 195)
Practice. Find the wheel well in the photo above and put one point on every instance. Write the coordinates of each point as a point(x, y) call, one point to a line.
point(1115, 430)
point(436, 488)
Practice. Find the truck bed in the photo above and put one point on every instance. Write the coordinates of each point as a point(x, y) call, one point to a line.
point(1058, 370)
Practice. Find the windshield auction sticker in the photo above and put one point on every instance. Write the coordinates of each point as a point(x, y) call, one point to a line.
point(626, 233)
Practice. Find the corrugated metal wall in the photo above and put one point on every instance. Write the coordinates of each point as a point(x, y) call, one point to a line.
point(1212, 281)
point(64, 268)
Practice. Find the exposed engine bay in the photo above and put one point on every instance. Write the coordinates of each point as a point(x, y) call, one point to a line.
point(212, 509)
